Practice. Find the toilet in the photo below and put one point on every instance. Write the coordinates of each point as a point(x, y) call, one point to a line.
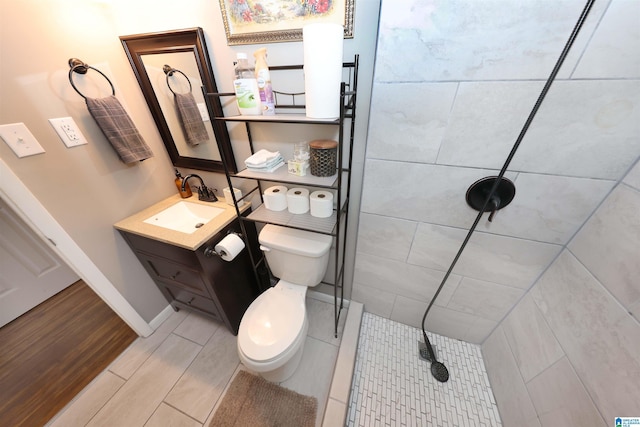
point(274, 328)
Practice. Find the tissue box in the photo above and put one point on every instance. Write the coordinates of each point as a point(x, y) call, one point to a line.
point(229, 199)
point(298, 168)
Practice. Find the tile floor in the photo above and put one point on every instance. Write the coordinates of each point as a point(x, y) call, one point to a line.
point(393, 387)
point(177, 375)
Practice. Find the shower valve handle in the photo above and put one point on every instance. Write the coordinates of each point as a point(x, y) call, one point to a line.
point(495, 205)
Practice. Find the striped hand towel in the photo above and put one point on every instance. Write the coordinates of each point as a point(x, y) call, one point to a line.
point(119, 129)
point(190, 119)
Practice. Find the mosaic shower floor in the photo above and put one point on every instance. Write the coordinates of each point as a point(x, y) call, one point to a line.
point(392, 386)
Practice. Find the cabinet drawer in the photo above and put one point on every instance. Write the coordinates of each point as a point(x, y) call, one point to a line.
point(183, 298)
point(164, 250)
point(174, 273)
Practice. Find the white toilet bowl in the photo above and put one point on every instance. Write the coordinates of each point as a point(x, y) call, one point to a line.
point(273, 330)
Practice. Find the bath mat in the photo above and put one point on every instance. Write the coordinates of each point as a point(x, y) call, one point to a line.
point(253, 401)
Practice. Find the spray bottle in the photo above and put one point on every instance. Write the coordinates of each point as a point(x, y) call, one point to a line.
point(264, 82)
point(246, 87)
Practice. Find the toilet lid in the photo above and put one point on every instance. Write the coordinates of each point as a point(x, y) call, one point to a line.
point(271, 324)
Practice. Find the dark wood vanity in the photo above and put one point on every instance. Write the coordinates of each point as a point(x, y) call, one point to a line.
point(192, 280)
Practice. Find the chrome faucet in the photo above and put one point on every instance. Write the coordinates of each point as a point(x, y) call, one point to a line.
point(204, 193)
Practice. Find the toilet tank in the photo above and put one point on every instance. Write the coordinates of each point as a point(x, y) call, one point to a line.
point(297, 256)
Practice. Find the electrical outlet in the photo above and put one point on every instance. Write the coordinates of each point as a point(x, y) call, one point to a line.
point(21, 141)
point(68, 131)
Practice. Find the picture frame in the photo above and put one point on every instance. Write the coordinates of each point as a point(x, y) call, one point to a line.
point(273, 21)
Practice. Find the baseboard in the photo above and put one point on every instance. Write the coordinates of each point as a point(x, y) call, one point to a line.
point(161, 317)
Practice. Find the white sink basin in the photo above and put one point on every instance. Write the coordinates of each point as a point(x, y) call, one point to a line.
point(185, 217)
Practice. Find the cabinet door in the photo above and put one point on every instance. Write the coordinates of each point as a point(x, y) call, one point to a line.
point(174, 274)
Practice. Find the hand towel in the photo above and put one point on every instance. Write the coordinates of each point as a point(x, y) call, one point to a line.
point(261, 157)
point(119, 129)
point(190, 119)
point(269, 169)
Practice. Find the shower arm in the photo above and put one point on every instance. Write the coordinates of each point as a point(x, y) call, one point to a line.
point(514, 149)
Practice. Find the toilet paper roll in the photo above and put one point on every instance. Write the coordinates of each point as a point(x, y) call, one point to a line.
point(321, 204)
point(298, 200)
point(229, 247)
point(275, 198)
point(323, 46)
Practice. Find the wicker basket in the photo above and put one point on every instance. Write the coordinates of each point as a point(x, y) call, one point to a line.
point(324, 153)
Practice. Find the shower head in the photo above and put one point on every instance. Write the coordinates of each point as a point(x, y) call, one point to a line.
point(438, 370)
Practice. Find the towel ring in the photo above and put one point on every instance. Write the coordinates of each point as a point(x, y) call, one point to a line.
point(168, 70)
point(81, 68)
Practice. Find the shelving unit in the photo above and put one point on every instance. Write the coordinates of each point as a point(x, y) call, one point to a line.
point(336, 224)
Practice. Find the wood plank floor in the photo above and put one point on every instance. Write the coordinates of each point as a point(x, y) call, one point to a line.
point(52, 352)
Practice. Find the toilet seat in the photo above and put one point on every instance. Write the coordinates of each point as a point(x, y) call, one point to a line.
point(272, 323)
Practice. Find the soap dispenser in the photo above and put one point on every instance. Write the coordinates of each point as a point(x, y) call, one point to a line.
point(187, 190)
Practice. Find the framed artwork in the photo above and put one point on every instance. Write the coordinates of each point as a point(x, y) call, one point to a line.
point(271, 21)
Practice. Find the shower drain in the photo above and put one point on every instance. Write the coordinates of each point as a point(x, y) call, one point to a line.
point(424, 353)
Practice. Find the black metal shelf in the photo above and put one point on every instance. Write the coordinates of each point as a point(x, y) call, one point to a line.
point(336, 224)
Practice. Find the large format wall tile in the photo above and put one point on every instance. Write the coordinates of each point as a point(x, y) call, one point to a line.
point(484, 299)
point(443, 321)
point(561, 400)
point(374, 300)
point(485, 122)
point(548, 208)
point(452, 323)
point(583, 128)
point(609, 245)
point(633, 177)
point(464, 40)
point(514, 403)
point(420, 192)
point(533, 345)
point(411, 281)
point(598, 336)
point(504, 260)
point(605, 56)
point(385, 236)
point(407, 121)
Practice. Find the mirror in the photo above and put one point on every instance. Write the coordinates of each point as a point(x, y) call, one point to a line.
point(172, 69)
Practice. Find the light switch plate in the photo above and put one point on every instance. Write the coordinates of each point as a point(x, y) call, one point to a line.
point(204, 113)
point(21, 141)
point(68, 131)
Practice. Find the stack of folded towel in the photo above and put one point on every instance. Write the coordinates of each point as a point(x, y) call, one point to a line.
point(264, 161)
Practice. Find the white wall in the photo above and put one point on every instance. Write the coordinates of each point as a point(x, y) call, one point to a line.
point(87, 189)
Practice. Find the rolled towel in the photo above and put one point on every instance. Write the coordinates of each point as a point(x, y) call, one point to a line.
point(190, 119)
point(119, 129)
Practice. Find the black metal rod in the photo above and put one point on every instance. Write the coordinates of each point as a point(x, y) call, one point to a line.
point(514, 149)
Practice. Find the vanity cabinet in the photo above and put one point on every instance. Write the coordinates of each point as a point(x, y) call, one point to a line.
point(339, 183)
point(198, 281)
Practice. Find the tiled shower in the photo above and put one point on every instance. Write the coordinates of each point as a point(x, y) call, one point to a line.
point(550, 288)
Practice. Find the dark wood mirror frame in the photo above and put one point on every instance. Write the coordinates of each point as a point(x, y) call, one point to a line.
point(188, 40)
